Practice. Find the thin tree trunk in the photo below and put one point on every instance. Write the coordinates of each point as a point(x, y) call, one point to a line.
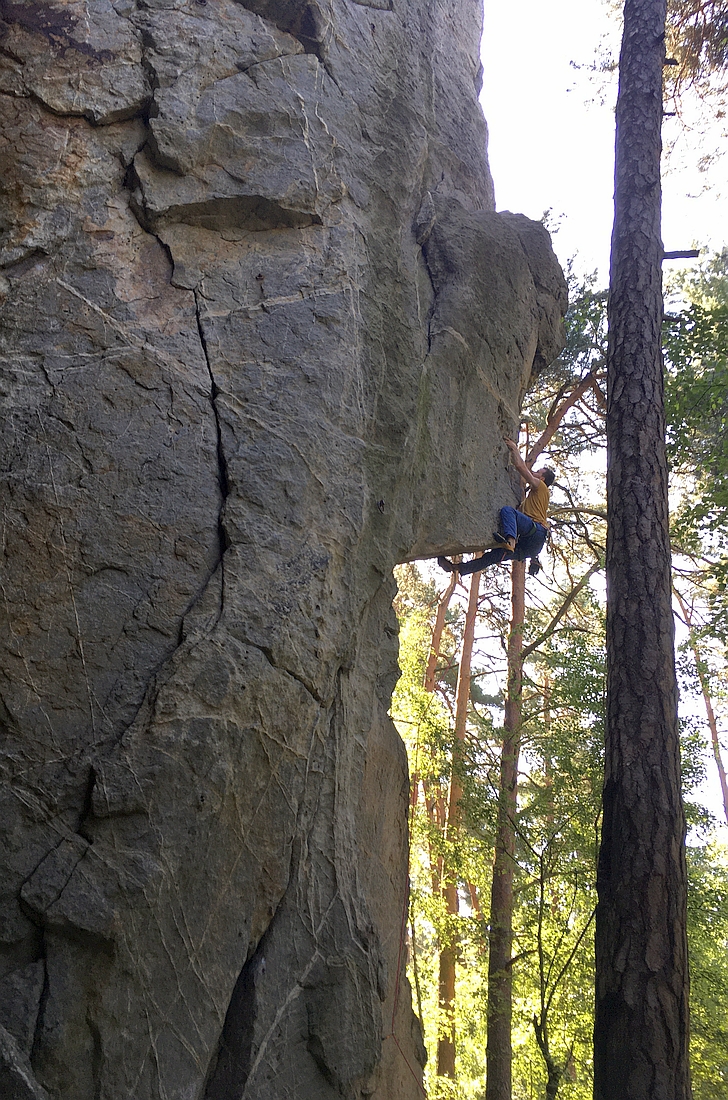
point(548, 769)
point(448, 954)
point(499, 1051)
point(547, 761)
point(431, 669)
point(446, 1030)
point(641, 1022)
point(554, 1072)
point(416, 971)
point(710, 713)
point(435, 805)
point(499, 1054)
point(431, 810)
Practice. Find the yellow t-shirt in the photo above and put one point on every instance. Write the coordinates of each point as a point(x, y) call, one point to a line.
point(536, 504)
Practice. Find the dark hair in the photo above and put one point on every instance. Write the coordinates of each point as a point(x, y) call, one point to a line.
point(549, 476)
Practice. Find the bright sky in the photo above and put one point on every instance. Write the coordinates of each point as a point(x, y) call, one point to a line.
point(552, 141)
point(552, 145)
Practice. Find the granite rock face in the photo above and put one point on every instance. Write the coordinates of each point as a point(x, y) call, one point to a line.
point(262, 333)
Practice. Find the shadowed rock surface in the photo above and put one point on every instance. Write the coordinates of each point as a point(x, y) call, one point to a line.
point(261, 336)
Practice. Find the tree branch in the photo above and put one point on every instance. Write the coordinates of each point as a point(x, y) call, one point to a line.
point(528, 650)
point(556, 417)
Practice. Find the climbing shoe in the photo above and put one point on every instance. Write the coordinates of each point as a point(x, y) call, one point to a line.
point(534, 568)
point(446, 565)
point(505, 541)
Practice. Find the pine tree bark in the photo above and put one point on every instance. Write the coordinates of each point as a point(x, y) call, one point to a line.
point(499, 1051)
point(641, 1024)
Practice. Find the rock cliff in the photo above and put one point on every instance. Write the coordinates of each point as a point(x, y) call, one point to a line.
point(262, 333)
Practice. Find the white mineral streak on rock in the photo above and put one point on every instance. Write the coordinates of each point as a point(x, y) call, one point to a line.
point(261, 336)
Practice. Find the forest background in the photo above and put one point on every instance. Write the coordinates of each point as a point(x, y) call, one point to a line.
point(521, 790)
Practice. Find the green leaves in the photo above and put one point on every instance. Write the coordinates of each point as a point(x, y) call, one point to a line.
point(708, 941)
point(696, 406)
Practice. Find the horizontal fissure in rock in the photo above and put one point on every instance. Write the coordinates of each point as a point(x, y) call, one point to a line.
point(251, 212)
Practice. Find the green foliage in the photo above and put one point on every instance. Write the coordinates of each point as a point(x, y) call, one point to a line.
point(425, 721)
point(696, 404)
point(556, 846)
point(694, 770)
point(696, 407)
point(708, 941)
point(557, 849)
point(697, 35)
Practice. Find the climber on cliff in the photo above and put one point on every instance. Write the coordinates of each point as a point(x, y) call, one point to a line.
point(523, 530)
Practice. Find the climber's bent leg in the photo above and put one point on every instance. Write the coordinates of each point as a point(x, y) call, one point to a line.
point(509, 522)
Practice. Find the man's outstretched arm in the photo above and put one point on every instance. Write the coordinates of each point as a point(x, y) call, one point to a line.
point(520, 465)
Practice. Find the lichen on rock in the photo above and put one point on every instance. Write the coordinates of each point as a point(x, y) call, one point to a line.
point(262, 333)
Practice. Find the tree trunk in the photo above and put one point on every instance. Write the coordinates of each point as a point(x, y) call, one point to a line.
point(499, 1055)
point(446, 1042)
point(554, 1072)
point(431, 669)
point(499, 1051)
point(446, 1030)
point(434, 803)
point(641, 1024)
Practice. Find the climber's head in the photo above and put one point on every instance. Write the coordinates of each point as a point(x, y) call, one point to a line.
point(547, 475)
